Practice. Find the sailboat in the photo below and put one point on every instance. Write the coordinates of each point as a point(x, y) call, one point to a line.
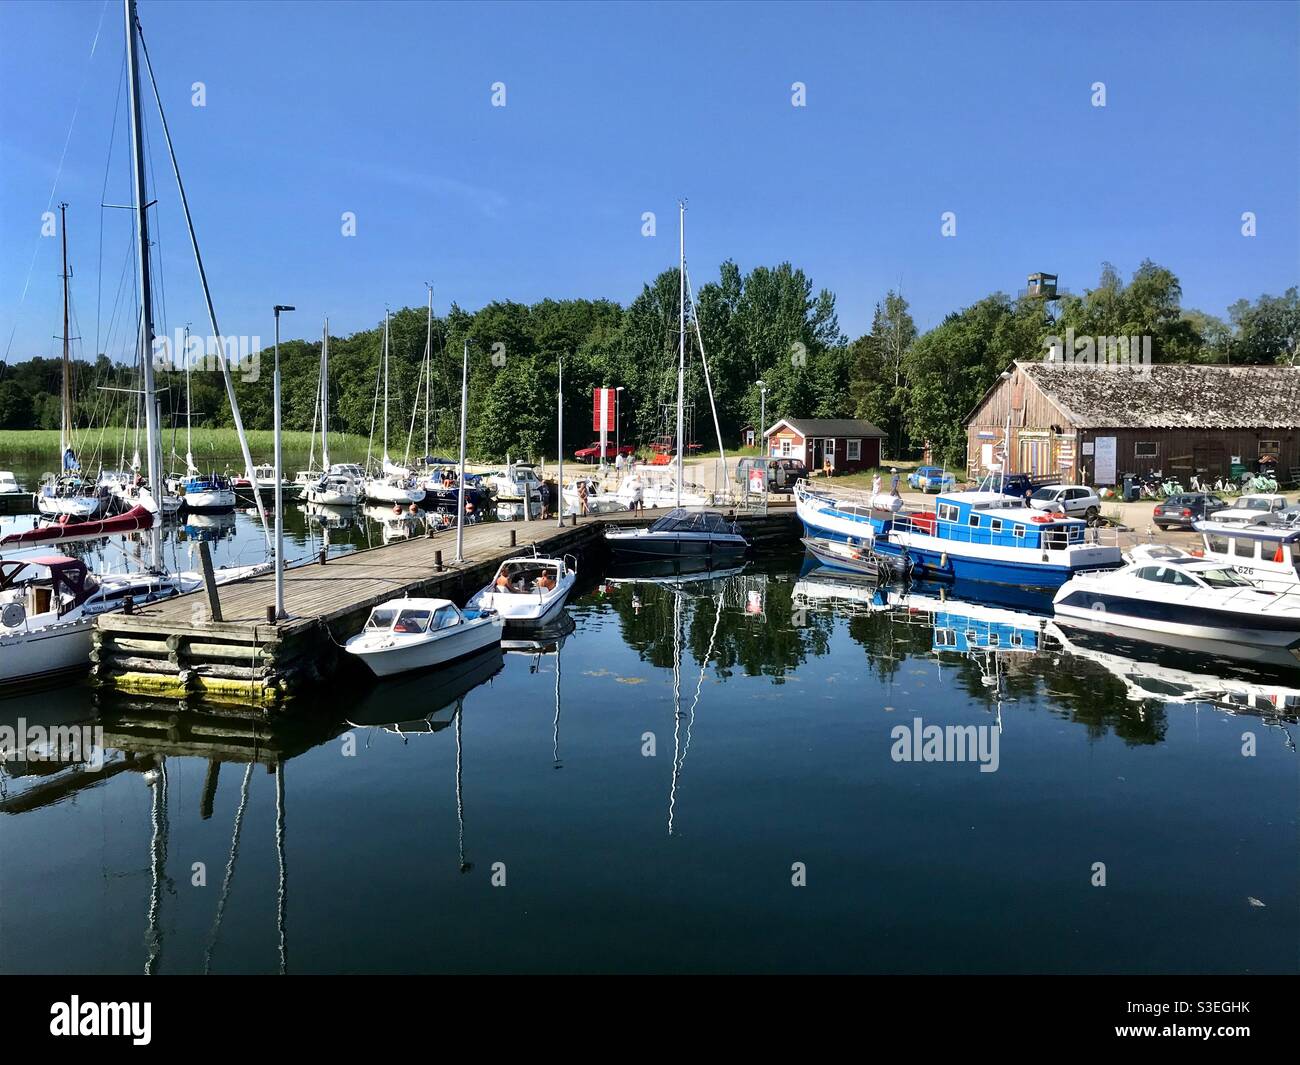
point(392, 484)
point(682, 532)
point(67, 495)
point(334, 487)
point(46, 617)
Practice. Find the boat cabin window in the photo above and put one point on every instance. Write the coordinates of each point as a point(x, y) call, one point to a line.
point(1018, 531)
point(974, 518)
point(1243, 548)
point(995, 524)
point(412, 621)
point(381, 619)
point(945, 638)
point(1165, 575)
point(1217, 544)
point(947, 512)
point(446, 617)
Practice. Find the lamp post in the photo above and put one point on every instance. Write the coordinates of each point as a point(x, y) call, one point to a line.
point(762, 412)
point(618, 422)
point(279, 489)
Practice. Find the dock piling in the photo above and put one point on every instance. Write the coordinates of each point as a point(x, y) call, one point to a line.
point(209, 580)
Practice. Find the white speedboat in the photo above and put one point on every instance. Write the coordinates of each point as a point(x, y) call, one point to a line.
point(681, 532)
point(407, 634)
point(9, 485)
point(528, 590)
point(1172, 600)
point(599, 501)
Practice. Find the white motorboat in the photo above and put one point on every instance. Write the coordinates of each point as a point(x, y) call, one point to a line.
point(1268, 554)
point(1173, 600)
point(528, 589)
point(9, 485)
point(599, 501)
point(681, 532)
point(407, 634)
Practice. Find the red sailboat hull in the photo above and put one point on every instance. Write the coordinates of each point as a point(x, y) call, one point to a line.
point(133, 520)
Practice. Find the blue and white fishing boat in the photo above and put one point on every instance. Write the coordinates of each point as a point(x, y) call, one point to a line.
point(967, 536)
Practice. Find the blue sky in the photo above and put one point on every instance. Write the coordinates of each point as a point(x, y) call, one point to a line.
point(385, 110)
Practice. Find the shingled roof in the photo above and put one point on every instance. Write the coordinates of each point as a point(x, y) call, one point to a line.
point(1172, 395)
point(850, 427)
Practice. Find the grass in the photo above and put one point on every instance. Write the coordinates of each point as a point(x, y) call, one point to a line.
point(209, 444)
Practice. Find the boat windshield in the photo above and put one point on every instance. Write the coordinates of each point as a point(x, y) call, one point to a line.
point(446, 617)
point(412, 621)
point(701, 521)
point(1223, 578)
point(381, 619)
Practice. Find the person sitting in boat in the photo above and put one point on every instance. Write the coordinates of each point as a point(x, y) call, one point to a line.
point(503, 583)
point(545, 583)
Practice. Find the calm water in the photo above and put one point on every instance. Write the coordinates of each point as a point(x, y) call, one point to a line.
point(770, 697)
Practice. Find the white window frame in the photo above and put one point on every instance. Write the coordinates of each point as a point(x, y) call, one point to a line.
point(787, 447)
point(853, 450)
point(949, 509)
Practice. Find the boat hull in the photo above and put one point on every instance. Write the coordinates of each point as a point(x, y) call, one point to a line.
point(525, 608)
point(379, 492)
point(210, 502)
point(38, 655)
point(642, 543)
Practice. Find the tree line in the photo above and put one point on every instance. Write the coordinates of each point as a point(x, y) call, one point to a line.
point(768, 325)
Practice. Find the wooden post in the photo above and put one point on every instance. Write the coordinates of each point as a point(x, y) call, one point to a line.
point(512, 538)
point(209, 789)
point(437, 561)
point(209, 580)
point(324, 554)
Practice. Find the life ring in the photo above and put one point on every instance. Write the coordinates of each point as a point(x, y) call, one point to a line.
point(1042, 518)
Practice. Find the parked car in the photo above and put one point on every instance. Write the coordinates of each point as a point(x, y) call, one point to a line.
point(781, 473)
point(592, 452)
point(931, 479)
point(1015, 484)
point(1074, 500)
point(1178, 512)
point(1254, 510)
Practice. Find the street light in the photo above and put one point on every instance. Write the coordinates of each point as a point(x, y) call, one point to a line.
point(279, 489)
point(762, 412)
point(618, 422)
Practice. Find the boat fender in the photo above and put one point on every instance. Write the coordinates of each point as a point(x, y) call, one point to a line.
point(943, 560)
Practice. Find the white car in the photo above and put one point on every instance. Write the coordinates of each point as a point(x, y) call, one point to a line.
point(1254, 510)
point(1074, 500)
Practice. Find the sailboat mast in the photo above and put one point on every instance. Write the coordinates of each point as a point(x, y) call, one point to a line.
point(154, 464)
point(385, 458)
point(65, 427)
point(428, 374)
point(189, 410)
point(681, 340)
point(325, 398)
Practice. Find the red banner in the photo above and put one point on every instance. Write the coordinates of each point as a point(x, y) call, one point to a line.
point(602, 409)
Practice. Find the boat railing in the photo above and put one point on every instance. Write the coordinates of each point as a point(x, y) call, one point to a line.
point(1052, 537)
point(855, 501)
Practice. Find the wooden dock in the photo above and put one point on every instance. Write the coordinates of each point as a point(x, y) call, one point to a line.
point(176, 650)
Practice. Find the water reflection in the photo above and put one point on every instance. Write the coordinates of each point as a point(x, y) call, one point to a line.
point(733, 656)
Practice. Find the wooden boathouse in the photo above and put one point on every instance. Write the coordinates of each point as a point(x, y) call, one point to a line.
point(1092, 424)
point(179, 650)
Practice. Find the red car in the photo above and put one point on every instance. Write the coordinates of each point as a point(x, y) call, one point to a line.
point(592, 452)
